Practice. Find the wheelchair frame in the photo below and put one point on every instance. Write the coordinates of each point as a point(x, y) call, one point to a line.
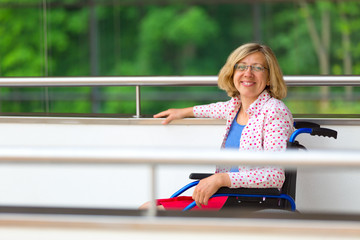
point(287, 192)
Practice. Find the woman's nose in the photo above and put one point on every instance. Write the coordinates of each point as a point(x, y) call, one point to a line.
point(248, 71)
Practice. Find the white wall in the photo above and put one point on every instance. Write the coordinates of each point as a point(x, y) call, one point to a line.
point(127, 186)
point(95, 186)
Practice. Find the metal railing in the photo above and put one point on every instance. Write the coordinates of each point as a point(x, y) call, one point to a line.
point(154, 157)
point(310, 80)
point(138, 81)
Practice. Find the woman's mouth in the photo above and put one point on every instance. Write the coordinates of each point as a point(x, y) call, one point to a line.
point(247, 84)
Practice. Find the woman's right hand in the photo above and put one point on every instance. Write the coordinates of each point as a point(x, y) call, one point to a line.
point(175, 113)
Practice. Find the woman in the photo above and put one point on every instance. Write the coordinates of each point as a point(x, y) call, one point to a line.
point(256, 117)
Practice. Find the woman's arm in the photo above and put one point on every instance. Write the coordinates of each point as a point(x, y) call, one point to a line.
point(208, 186)
point(217, 110)
point(173, 114)
point(214, 110)
point(257, 177)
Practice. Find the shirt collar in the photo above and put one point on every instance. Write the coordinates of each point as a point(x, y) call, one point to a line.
point(256, 106)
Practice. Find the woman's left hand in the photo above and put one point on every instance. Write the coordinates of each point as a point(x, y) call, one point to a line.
point(208, 186)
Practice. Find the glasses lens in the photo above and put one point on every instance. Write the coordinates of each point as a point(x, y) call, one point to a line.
point(257, 68)
point(241, 67)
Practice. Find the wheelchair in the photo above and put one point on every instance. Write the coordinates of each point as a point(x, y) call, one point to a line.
point(264, 198)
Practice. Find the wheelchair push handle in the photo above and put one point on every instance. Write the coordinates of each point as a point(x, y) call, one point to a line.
point(325, 132)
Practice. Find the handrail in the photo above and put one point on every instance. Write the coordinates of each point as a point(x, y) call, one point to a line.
point(116, 155)
point(148, 121)
point(154, 157)
point(308, 80)
point(174, 226)
point(137, 81)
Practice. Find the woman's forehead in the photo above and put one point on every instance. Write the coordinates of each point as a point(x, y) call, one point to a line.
point(257, 57)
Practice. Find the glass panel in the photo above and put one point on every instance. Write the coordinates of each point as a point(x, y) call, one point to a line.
point(323, 100)
point(157, 99)
point(127, 38)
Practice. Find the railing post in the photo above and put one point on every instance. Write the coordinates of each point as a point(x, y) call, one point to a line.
point(152, 208)
point(138, 101)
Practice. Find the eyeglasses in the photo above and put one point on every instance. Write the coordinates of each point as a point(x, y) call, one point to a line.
point(255, 68)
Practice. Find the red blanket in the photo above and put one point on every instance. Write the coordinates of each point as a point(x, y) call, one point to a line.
point(179, 203)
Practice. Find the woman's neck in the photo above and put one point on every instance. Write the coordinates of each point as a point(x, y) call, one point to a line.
point(243, 117)
point(246, 102)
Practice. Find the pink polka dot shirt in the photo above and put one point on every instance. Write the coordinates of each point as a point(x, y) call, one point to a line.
point(268, 129)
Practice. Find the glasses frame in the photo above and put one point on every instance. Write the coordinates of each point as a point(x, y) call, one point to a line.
point(252, 67)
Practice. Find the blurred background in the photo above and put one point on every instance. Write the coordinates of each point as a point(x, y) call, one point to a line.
point(41, 38)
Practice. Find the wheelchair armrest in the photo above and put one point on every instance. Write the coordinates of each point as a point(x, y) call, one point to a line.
point(199, 176)
point(249, 191)
point(303, 124)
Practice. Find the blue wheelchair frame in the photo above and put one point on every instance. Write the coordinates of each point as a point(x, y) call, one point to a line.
point(301, 127)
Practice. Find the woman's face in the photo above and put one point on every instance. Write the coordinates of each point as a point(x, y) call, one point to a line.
point(251, 81)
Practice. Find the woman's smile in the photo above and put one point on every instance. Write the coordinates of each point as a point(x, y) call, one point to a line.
point(247, 83)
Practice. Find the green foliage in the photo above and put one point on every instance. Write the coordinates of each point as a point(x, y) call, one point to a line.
point(174, 34)
point(193, 26)
point(291, 43)
point(169, 39)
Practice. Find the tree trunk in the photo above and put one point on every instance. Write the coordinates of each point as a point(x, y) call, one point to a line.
point(321, 46)
point(347, 60)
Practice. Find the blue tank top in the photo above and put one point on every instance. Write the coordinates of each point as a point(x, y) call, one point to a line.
point(233, 139)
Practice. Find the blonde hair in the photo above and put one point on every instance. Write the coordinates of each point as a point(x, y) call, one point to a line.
point(277, 88)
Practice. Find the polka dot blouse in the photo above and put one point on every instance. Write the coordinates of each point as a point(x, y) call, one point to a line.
point(268, 129)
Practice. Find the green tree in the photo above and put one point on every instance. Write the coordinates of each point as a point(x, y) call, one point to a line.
point(168, 39)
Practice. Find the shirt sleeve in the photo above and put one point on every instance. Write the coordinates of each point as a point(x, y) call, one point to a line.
point(257, 177)
point(217, 110)
point(278, 127)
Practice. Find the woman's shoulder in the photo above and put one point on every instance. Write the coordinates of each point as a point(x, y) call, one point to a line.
point(276, 105)
point(274, 102)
